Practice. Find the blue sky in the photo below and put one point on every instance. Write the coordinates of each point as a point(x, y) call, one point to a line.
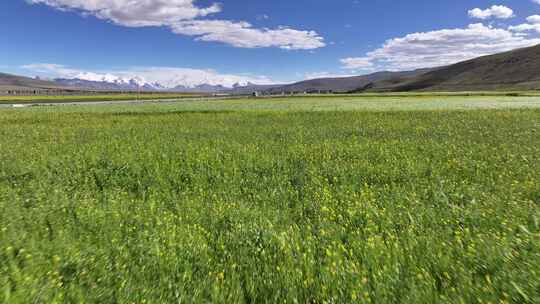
point(230, 41)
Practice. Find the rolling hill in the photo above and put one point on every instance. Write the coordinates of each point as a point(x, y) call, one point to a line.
point(13, 82)
point(514, 70)
point(342, 84)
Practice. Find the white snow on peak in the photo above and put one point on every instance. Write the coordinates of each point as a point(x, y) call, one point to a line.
point(157, 77)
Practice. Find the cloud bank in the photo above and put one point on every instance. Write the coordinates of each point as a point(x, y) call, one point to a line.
point(185, 18)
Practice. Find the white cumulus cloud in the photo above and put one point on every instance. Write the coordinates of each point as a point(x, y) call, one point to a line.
point(533, 25)
point(317, 75)
point(534, 19)
point(525, 27)
point(168, 77)
point(439, 48)
point(360, 63)
point(496, 11)
point(186, 18)
point(135, 13)
point(242, 34)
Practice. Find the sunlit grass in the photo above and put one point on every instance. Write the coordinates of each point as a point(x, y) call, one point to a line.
point(103, 97)
point(319, 103)
point(245, 202)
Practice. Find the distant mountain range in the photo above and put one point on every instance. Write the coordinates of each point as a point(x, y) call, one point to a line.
point(13, 82)
point(112, 85)
point(515, 70)
point(135, 85)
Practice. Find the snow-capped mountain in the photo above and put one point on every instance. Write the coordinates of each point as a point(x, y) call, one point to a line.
point(89, 80)
point(111, 82)
point(129, 85)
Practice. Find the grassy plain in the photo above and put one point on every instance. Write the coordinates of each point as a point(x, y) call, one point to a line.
point(162, 96)
point(334, 103)
point(266, 201)
point(97, 97)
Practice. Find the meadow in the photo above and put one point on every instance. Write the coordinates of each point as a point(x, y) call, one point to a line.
point(336, 200)
point(155, 96)
point(92, 97)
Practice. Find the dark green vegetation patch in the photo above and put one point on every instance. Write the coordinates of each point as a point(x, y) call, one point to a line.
point(248, 207)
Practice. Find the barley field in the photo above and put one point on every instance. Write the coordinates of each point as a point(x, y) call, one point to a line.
point(272, 201)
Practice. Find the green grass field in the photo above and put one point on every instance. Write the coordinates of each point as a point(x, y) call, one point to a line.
point(160, 96)
point(383, 102)
point(319, 200)
point(102, 97)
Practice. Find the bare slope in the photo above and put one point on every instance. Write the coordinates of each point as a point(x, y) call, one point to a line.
point(342, 84)
point(515, 70)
